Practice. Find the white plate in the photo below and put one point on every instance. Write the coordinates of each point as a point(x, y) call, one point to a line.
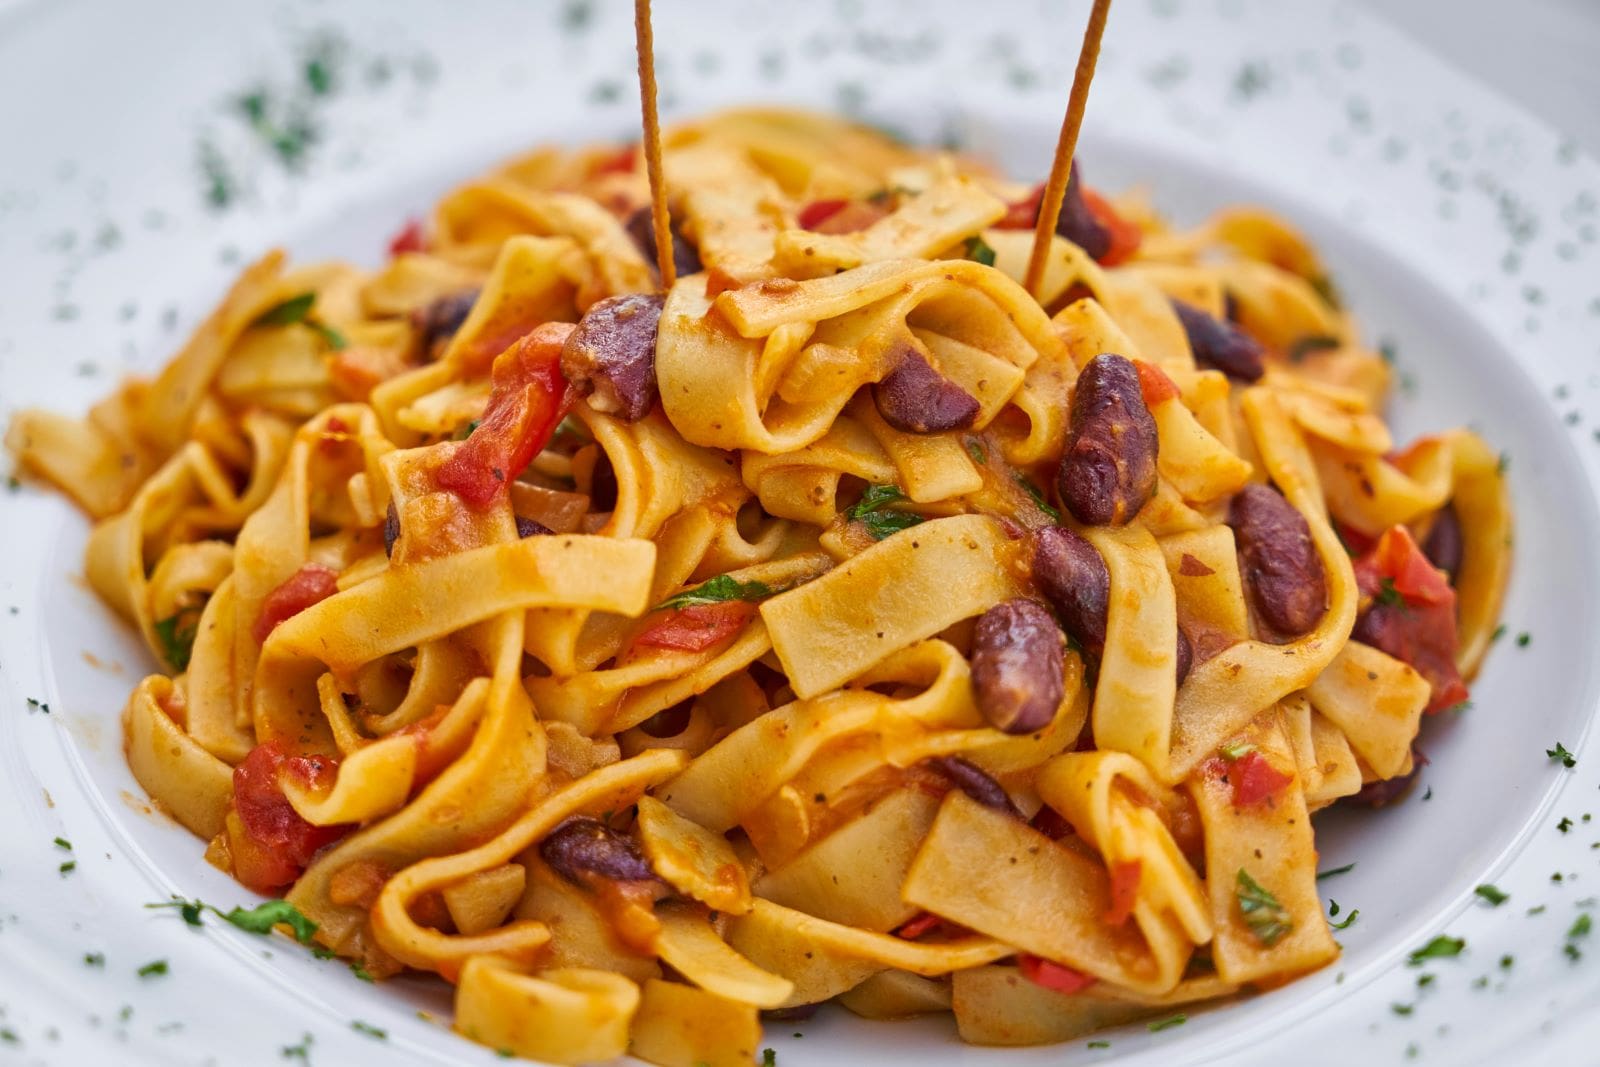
point(1456, 226)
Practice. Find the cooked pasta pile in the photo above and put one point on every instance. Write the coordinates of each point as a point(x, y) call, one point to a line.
point(843, 624)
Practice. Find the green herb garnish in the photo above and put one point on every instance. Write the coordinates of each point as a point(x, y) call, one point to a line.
point(722, 588)
point(257, 920)
point(295, 309)
point(1493, 894)
point(1348, 919)
point(979, 251)
point(976, 450)
point(1038, 497)
point(1388, 594)
point(1237, 752)
point(769, 1058)
point(1323, 284)
point(1560, 755)
point(1266, 917)
point(371, 1031)
point(94, 959)
point(1167, 1023)
point(153, 969)
point(1346, 869)
point(874, 512)
point(176, 633)
point(1440, 948)
point(1316, 342)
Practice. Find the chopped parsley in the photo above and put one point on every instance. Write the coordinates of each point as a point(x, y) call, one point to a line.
point(1239, 751)
point(1560, 755)
point(94, 959)
point(1167, 1023)
point(1493, 894)
point(1401, 1009)
point(1499, 632)
point(1507, 961)
point(1346, 869)
point(1305, 346)
point(62, 842)
point(371, 1031)
point(38, 705)
point(1564, 825)
point(723, 587)
point(295, 309)
point(1388, 594)
point(1440, 948)
point(976, 450)
point(301, 1052)
point(359, 970)
point(1524, 639)
point(257, 920)
point(978, 250)
point(1099, 1044)
point(298, 309)
point(769, 1058)
point(68, 867)
point(153, 969)
point(1038, 497)
point(1348, 919)
point(176, 633)
point(874, 512)
point(465, 430)
point(1267, 918)
point(1323, 284)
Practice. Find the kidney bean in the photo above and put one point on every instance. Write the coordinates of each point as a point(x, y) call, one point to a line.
point(1077, 223)
point(1444, 545)
point(611, 356)
point(1220, 344)
point(1016, 666)
point(1069, 572)
point(685, 257)
point(438, 321)
point(918, 399)
point(584, 847)
point(1281, 565)
point(1108, 470)
point(1185, 655)
point(973, 781)
point(532, 528)
point(391, 529)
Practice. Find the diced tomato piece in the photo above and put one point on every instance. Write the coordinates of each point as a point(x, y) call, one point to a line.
point(622, 162)
point(1419, 629)
point(915, 928)
point(409, 239)
point(1125, 235)
point(1154, 384)
point(1354, 540)
point(841, 216)
point(698, 626)
point(1255, 780)
point(277, 843)
point(309, 585)
point(1125, 878)
point(817, 212)
point(1052, 975)
point(1023, 214)
point(527, 399)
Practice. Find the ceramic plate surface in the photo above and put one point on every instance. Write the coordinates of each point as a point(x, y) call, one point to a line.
point(1462, 232)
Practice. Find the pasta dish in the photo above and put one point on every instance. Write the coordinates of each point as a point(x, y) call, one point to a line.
point(845, 623)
